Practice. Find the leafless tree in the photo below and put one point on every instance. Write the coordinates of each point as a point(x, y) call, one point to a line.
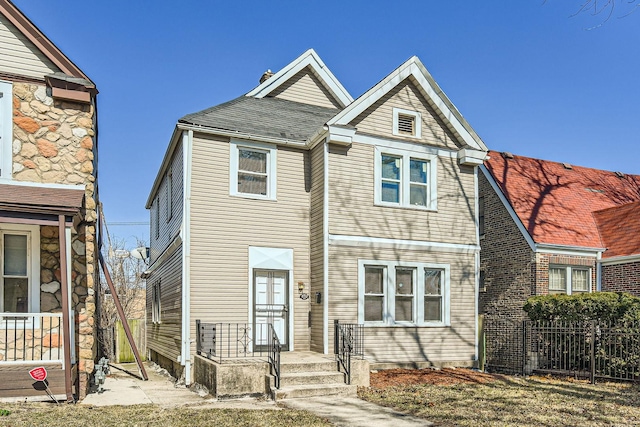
point(125, 271)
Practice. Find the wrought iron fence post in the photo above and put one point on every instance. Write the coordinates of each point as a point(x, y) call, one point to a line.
point(592, 351)
point(198, 347)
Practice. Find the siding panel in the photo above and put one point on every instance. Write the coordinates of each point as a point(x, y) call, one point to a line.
point(305, 87)
point(454, 344)
point(317, 245)
point(19, 56)
point(223, 227)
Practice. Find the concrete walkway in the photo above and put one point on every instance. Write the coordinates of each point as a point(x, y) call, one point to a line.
point(122, 388)
point(353, 412)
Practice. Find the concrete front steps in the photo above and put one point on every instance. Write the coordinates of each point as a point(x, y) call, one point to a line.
point(310, 375)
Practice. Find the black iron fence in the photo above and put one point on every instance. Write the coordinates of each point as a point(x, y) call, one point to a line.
point(220, 341)
point(348, 342)
point(584, 349)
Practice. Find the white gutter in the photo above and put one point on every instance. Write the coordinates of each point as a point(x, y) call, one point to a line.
point(187, 139)
point(622, 259)
point(242, 135)
point(568, 249)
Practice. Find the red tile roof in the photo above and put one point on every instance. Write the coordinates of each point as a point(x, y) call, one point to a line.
point(620, 229)
point(556, 202)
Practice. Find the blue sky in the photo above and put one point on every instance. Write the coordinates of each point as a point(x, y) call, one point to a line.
point(529, 77)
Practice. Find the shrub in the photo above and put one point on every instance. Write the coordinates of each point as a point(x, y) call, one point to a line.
point(603, 306)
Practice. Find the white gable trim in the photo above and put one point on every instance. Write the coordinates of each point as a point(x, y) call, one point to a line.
point(413, 67)
point(507, 205)
point(622, 259)
point(308, 59)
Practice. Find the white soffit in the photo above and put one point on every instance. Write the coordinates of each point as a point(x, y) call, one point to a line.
point(430, 89)
point(308, 59)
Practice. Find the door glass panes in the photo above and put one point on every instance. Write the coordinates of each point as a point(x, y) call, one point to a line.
point(15, 255)
point(374, 294)
point(404, 294)
point(418, 182)
point(432, 295)
point(252, 171)
point(391, 170)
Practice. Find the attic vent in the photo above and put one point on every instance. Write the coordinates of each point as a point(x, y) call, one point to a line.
point(406, 124)
point(265, 76)
point(619, 174)
point(507, 155)
point(567, 166)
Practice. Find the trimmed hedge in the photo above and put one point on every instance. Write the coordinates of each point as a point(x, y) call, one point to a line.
point(604, 306)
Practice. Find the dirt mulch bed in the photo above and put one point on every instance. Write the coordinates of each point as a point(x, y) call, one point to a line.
point(446, 376)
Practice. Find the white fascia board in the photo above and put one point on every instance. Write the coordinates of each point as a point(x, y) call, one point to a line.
point(470, 157)
point(173, 142)
point(413, 67)
point(383, 243)
point(43, 185)
point(625, 259)
point(241, 135)
point(404, 145)
point(341, 135)
point(509, 208)
point(567, 250)
point(308, 58)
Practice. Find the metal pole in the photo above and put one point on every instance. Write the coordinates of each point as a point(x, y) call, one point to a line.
point(593, 351)
point(64, 287)
point(125, 324)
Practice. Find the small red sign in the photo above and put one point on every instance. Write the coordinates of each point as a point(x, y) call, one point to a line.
point(39, 373)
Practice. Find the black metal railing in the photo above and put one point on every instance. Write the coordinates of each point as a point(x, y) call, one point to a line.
point(220, 341)
point(275, 348)
point(348, 342)
point(587, 349)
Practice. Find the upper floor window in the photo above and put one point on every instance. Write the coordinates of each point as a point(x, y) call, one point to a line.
point(169, 179)
point(395, 293)
point(407, 123)
point(569, 280)
point(6, 129)
point(253, 170)
point(157, 217)
point(405, 179)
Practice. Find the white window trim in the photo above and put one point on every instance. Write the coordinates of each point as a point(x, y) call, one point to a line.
point(418, 123)
point(418, 296)
point(271, 151)
point(156, 303)
point(407, 155)
point(569, 285)
point(6, 129)
point(33, 262)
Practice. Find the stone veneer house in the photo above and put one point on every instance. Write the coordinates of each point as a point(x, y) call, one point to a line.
point(295, 205)
point(549, 227)
point(48, 197)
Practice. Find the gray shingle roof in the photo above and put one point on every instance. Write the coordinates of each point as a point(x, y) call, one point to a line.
point(271, 117)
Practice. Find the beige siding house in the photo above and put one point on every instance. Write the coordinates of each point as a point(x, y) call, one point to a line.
point(48, 199)
point(297, 206)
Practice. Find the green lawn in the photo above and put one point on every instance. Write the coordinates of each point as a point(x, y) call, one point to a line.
point(513, 401)
point(45, 414)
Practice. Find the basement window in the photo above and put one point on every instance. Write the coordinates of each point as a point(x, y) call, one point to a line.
point(406, 123)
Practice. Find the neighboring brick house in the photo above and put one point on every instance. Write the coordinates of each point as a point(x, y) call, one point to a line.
point(48, 199)
point(549, 227)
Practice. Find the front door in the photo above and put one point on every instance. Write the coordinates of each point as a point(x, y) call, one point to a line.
point(271, 299)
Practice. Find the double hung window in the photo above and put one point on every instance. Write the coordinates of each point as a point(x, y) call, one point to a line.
point(394, 293)
point(405, 179)
point(253, 170)
point(569, 280)
point(19, 259)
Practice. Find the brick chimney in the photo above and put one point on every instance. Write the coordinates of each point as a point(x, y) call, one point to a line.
point(267, 75)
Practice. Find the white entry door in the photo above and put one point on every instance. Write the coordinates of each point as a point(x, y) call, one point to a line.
point(271, 299)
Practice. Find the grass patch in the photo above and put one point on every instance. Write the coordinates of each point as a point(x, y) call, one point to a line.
point(510, 401)
point(45, 414)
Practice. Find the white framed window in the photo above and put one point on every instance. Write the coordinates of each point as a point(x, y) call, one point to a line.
point(405, 179)
point(253, 170)
point(397, 293)
point(20, 269)
point(569, 279)
point(157, 217)
point(6, 128)
point(407, 123)
point(156, 299)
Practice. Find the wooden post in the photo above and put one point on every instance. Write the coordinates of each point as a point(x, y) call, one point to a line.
point(123, 319)
point(66, 324)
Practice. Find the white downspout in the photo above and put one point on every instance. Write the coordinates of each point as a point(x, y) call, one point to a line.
point(476, 257)
point(187, 138)
point(599, 272)
point(325, 250)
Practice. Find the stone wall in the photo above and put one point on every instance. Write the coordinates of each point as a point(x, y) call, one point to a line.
point(54, 142)
point(622, 278)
